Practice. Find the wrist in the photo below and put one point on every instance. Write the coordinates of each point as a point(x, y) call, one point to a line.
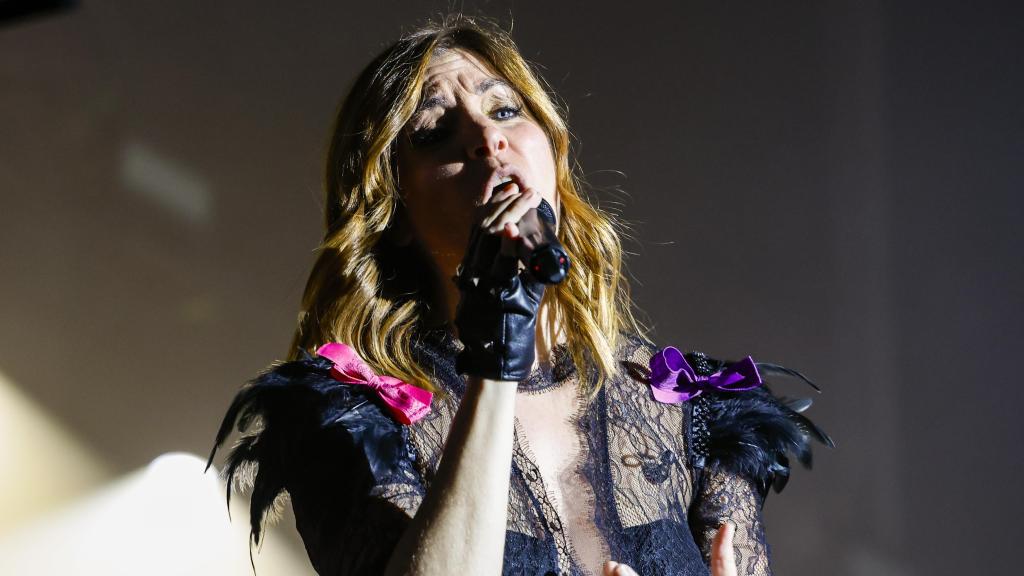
point(487, 387)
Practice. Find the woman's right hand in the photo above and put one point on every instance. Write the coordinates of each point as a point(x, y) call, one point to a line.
point(496, 315)
point(723, 561)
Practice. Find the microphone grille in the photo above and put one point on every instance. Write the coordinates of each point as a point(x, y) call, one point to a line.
point(546, 212)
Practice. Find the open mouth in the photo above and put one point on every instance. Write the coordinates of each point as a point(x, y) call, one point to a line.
point(501, 184)
point(500, 179)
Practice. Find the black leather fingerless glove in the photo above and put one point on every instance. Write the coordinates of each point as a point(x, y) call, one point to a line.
point(497, 312)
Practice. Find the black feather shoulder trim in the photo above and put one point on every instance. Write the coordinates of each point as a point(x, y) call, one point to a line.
point(285, 415)
point(751, 433)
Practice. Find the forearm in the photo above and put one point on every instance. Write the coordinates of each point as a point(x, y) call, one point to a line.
point(460, 526)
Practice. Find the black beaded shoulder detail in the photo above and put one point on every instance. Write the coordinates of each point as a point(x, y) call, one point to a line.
point(751, 433)
point(700, 434)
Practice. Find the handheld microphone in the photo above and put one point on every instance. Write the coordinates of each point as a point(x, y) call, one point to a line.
point(547, 261)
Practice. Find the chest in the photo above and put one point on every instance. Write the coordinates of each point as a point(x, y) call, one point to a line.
point(547, 430)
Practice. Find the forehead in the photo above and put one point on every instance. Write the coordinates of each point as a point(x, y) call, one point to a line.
point(456, 69)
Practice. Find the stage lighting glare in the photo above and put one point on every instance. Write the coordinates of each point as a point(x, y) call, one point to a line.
point(44, 466)
point(167, 519)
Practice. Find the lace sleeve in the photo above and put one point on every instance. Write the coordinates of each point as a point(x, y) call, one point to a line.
point(726, 496)
point(741, 445)
point(347, 467)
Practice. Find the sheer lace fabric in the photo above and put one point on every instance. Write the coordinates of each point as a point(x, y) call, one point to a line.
point(626, 493)
point(730, 497)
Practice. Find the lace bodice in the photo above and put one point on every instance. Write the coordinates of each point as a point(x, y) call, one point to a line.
point(627, 487)
point(628, 490)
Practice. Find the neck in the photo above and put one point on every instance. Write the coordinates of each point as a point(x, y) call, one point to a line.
point(441, 296)
point(550, 329)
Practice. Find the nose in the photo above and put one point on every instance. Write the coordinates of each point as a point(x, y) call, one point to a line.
point(485, 139)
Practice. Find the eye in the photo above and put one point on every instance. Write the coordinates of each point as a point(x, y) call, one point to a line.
point(427, 136)
point(508, 112)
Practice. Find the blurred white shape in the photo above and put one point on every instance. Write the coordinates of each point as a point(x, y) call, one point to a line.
point(168, 519)
point(42, 465)
point(168, 183)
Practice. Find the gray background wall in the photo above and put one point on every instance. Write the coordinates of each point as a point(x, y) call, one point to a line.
point(831, 185)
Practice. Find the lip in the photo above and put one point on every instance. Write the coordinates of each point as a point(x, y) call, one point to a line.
point(497, 175)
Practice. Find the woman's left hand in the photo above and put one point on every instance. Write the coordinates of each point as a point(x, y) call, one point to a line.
point(723, 561)
point(612, 568)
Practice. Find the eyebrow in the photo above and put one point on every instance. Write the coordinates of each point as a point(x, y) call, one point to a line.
point(440, 101)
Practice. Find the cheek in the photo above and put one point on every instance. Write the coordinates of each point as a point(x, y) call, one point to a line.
point(440, 215)
point(536, 147)
point(438, 174)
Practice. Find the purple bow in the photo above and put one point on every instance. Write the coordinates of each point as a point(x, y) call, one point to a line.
point(674, 381)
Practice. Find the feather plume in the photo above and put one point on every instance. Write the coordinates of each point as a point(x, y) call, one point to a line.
point(753, 433)
point(282, 414)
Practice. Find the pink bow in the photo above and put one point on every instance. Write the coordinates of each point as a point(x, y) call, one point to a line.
point(406, 402)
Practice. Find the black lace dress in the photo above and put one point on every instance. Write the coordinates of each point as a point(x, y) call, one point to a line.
point(658, 479)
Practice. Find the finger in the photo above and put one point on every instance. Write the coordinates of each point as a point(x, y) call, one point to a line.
point(624, 570)
point(494, 210)
point(723, 560)
point(515, 210)
point(499, 194)
point(510, 240)
point(609, 568)
point(512, 230)
point(493, 192)
point(503, 192)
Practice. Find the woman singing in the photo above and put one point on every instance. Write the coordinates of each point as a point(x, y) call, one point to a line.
point(453, 402)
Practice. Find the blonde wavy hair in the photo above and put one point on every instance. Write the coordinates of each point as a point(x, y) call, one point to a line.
point(348, 297)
